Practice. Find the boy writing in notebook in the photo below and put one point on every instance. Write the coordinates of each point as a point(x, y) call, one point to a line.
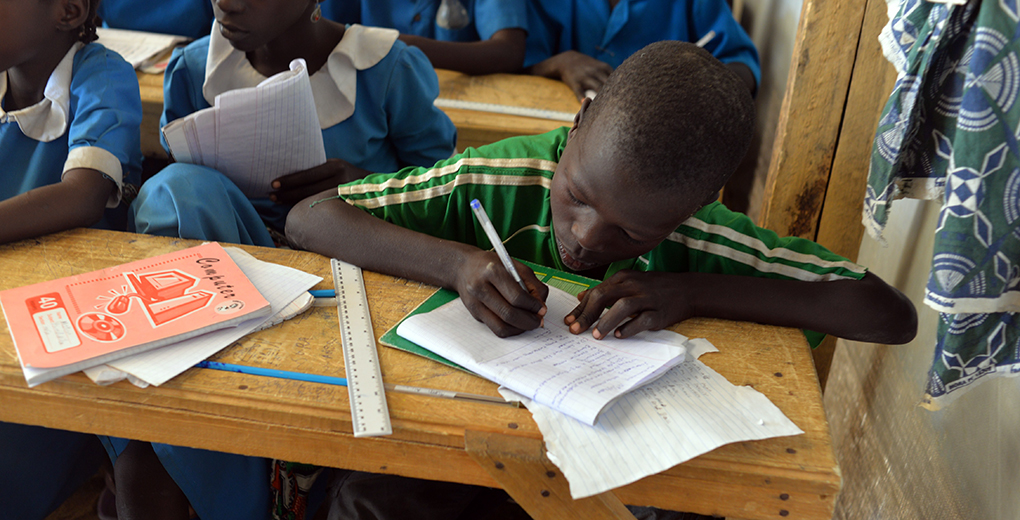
point(625, 196)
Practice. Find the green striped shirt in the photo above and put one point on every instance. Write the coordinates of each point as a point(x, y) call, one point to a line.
point(511, 179)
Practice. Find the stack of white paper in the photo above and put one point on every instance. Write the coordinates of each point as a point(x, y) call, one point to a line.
point(254, 135)
point(285, 288)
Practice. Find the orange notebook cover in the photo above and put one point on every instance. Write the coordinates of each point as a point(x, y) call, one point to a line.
point(104, 315)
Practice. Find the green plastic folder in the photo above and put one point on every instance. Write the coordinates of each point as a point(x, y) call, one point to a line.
point(568, 282)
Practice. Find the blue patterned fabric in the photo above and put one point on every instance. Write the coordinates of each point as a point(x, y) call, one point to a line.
point(950, 131)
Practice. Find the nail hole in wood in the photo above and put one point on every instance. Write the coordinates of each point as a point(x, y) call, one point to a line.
point(242, 387)
point(512, 426)
point(499, 465)
point(791, 450)
point(550, 474)
point(784, 496)
point(545, 493)
point(783, 512)
point(779, 374)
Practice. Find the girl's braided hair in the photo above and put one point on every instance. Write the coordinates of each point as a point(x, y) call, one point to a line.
point(87, 31)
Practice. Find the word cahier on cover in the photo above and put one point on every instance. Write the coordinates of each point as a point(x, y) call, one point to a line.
point(84, 320)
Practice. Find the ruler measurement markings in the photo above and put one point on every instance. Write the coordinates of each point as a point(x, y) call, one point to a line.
point(365, 386)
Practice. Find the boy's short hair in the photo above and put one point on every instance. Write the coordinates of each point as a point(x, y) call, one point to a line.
point(678, 116)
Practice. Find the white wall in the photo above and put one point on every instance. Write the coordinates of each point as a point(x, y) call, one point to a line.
point(900, 461)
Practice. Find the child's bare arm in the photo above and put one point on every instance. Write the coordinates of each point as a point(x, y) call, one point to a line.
point(332, 227)
point(76, 201)
point(298, 185)
point(863, 310)
point(579, 71)
point(504, 52)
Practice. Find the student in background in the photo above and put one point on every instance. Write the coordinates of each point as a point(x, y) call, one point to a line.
point(625, 196)
point(69, 118)
point(470, 36)
point(191, 18)
point(581, 41)
point(373, 96)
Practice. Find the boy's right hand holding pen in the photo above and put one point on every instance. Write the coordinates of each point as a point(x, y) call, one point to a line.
point(497, 295)
point(494, 298)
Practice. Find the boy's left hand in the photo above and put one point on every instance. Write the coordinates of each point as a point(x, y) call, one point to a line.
point(296, 186)
point(652, 301)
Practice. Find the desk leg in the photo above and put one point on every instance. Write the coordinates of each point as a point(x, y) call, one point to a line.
point(521, 467)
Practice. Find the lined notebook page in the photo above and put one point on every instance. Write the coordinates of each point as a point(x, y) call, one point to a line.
point(280, 285)
point(254, 135)
point(575, 374)
point(689, 411)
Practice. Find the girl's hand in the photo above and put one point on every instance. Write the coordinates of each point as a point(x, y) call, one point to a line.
point(298, 185)
point(652, 301)
point(579, 71)
point(494, 298)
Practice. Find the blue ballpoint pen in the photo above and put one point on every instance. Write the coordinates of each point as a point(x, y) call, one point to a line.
point(497, 244)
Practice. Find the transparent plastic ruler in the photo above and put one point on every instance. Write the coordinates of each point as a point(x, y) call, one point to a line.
point(537, 113)
point(369, 412)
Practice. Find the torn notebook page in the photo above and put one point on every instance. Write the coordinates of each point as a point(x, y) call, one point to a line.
point(254, 135)
point(575, 374)
point(687, 412)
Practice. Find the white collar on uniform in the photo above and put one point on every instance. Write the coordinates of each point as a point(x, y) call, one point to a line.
point(47, 119)
point(334, 86)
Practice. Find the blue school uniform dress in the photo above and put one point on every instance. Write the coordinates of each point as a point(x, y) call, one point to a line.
point(611, 35)
point(88, 118)
point(191, 18)
point(374, 99)
point(484, 17)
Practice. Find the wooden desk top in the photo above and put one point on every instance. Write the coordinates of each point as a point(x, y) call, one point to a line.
point(792, 477)
point(473, 128)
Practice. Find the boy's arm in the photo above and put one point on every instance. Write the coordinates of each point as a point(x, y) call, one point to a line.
point(330, 226)
point(503, 52)
point(862, 310)
point(77, 201)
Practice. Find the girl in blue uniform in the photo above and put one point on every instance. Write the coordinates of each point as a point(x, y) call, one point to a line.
point(69, 118)
point(373, 96)
point(471, 36)
point(581, 41)
point(191, 18)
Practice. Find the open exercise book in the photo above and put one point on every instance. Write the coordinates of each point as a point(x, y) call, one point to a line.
point(63, 326)
point(254, 135)
point(575, 374)
point(688, 411)
point(140, 49)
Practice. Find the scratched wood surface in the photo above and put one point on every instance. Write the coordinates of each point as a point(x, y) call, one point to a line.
point(473, 128)
point(809, 120)
point(792, 477)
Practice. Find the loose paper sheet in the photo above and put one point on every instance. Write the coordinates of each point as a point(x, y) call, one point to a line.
point(689, 411)
point(575, 374)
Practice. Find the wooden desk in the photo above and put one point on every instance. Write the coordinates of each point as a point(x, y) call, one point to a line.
point(491, 445)
point(473, 128)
